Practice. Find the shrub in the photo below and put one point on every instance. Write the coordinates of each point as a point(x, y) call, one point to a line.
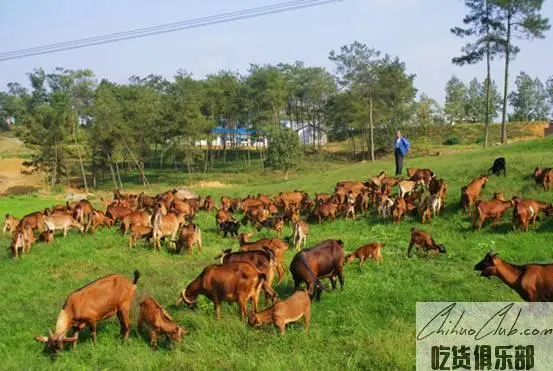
point(452, 140)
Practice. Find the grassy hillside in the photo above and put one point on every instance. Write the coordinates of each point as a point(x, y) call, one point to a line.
point(369, 325)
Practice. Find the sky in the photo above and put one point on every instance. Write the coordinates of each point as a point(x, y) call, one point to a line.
point(417, 31)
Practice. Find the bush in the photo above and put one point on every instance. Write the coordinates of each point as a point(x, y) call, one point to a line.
point(452, 140)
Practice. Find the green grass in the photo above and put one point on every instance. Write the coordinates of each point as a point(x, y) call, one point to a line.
point(368, 325)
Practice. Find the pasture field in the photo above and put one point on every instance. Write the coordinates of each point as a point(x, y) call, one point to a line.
point(370, 324)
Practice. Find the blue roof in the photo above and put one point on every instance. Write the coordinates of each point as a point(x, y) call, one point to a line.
point(235, 131)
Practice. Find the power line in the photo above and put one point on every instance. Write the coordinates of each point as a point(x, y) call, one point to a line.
point(150, 29)
point(165, 28)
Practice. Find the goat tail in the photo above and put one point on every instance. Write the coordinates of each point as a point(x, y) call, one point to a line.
point(136, 276)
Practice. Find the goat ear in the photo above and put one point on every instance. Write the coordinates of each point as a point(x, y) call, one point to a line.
point(41, 339)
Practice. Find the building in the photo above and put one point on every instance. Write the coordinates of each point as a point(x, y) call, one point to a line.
point(233, 137)
point(307, 131)
point(243, 137)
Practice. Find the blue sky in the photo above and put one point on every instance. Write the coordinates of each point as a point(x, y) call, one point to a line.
point(415, 30)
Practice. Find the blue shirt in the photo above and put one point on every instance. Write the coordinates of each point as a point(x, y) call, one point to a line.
point(403, 145)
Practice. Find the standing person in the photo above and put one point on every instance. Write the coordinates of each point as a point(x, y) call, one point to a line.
point(401, 149)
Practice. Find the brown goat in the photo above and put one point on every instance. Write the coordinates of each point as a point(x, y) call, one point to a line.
point(98, 219)
point(299, 234)
point(420, 175)
point(424, 240)
point(490, 210)
point(278, 246)
point(527, 211)
point(471, 192)
point(324, 260)
point(326, 210)
point(156, 318)
point(62, 221)
point(135, 218)
point(208, 204)
point(10, 224)
point(99, 300)
point(189, 235)
point(139, 231)
point(47, 237)
point(533, 282)
point(165, 225)
point(264, 260)
point(544, 177)
point(399, 209)
point(232, 282)
point(22, 239)
point(35, 220)
point(369, 251)
point(285, 311)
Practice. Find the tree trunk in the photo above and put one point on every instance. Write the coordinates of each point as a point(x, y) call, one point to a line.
point(506, 79)
point(55, 170)
point(140, 168)
point(119, 176)
point(353, 144)
point(371, 124)
point(488, 87)
point(80, 158)
point(286, 174)
point(112, 171)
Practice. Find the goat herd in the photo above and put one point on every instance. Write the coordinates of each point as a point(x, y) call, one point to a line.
point(242, 275)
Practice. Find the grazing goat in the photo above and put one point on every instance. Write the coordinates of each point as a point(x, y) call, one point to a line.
point(285, 311)
point(232, 282)
point(63, 222)
point(499, 165)
point(22, 239)
point(278, 246)
point(158, 321)
point(263, 260)
point(324, 260)
point(424, 240)
point(369, 251)
point(47, 237)
point(533, 282)
point(98, 219)
point(139, 231)
point(230, 226)
point(97, 301)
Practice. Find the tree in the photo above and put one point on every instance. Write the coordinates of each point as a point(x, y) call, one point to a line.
point(284, 150)
point(529, 100)
point(455, 100)
point(549, 90)
point(482, 23)
point(380, 84)
point(428, 112)
point(520, 19)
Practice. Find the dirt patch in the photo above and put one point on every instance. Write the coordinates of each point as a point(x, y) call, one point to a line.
point(12, 181)
point(211, 184)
